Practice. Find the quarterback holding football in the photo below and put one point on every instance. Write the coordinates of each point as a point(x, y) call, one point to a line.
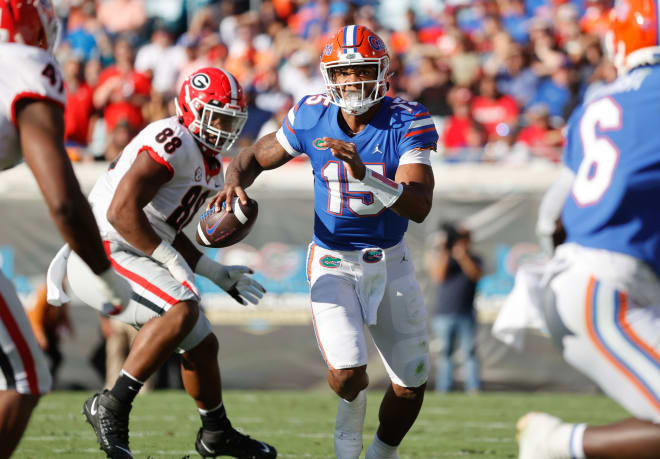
point(148, 195)
point(372, 174)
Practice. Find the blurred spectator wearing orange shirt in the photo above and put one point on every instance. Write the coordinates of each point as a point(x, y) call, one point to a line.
point(48, 323)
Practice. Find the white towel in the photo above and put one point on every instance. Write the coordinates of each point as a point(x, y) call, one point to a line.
point(523, 308)
point(371, 285)
point(55, 294)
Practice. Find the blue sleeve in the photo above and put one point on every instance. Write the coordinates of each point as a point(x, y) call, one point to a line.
point(418, 130)
point(286, 135)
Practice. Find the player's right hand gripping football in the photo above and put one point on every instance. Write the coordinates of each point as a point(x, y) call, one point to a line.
point(226, 196)
point(115, 290)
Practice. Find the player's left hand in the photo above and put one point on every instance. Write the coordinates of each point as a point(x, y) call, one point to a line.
point(233, 280)
point(347, 152)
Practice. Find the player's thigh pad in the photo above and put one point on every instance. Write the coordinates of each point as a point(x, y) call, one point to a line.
point(23, 367)
point(610, 337)
point(155, 291)
point(337, 317)
point(401, 334)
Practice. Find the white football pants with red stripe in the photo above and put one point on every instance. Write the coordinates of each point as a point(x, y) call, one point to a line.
point(155, 291)
point(23, 366)
point(606, 317)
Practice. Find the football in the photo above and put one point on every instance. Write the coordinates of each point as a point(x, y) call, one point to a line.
point(222, 229)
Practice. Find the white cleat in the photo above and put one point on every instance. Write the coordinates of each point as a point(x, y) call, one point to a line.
point(533, 432)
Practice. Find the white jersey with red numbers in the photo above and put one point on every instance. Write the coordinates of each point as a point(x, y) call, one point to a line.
point(25, 72)
point(193, 178)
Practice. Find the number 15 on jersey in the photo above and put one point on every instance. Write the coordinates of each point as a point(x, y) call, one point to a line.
point(349, 192)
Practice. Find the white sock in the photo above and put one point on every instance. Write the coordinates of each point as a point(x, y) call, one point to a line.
point(380, 450)
point(566, 441)
point(348, 427)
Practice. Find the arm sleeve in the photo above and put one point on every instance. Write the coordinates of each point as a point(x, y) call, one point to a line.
point(286, 135)
point(419, 137)
point(553, 202)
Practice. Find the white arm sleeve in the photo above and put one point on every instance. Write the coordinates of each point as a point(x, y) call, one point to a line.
point(553, 202)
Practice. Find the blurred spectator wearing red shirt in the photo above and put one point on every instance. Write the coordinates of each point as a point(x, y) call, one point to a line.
point(79, 102)
point(491, 109)
point(539, 138)
point(458, 125)
point(121, 90)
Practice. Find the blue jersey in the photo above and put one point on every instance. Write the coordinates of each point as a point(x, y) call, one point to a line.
point(346, 215)
point(613, 147)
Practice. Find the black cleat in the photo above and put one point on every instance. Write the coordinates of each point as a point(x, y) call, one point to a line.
point(109, 419)
point(232, 443)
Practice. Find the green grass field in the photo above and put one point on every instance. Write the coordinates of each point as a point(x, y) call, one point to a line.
point(300, 424)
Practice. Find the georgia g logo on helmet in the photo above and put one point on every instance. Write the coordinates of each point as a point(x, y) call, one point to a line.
point(200, 81)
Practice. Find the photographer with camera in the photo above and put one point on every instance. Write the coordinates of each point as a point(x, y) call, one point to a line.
point(456, 271)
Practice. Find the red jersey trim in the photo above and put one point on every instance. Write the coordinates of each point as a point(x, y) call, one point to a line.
point(421, 131)
point(286, 121)
point(157, 158)
point(30, 95)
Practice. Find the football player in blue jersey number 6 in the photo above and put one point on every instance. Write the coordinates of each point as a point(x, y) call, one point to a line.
point(604, 280)
point(370, 155)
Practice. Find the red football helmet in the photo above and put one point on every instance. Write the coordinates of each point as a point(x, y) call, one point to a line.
point(632, 39)
point(351, 46)
point(31, 22)
point(212, 106)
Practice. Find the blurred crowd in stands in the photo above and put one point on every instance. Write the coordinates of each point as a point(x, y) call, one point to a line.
point(500, 77)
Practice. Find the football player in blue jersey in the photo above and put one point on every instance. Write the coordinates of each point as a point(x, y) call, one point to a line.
point(604, 279)
point(370, 156)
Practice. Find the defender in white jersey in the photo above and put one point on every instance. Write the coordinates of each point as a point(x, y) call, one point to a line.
point(602, 287)
point(31, 128)
point(148, 195)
